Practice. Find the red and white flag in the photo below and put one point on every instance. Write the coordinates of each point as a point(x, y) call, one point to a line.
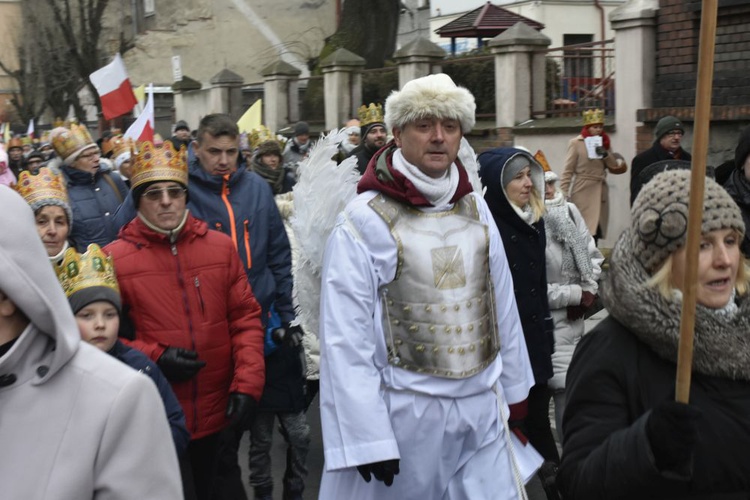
point(30, 130)
point(113, 86)
point(142, 128)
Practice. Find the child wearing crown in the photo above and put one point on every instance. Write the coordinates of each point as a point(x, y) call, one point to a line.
point(584, 179)
point(90, 284)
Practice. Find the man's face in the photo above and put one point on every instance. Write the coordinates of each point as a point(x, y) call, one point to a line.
point(270, 160)
point(182, 134)
point(163, 204)
point(15, 154)
point(430, 144)
point(88, 160)
point(217, 155)
point(671, 140)
point(302, 139)
point(375, 138)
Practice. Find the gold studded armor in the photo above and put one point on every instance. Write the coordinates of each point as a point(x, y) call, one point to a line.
point(438, 312)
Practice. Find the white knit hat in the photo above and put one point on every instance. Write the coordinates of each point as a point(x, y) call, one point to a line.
point(432, 96)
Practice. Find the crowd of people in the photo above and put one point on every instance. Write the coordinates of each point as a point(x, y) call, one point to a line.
point(452, 301)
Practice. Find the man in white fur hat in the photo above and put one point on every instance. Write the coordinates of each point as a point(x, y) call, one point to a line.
point(423, 358)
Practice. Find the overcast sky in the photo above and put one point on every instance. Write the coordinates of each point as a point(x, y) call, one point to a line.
point(455, 6)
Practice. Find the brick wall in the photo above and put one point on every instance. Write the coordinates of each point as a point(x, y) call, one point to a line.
point(678, 30)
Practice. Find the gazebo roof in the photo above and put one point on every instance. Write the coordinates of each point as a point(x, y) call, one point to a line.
point(486, 21)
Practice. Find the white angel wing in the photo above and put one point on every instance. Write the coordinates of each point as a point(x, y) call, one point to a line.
point(468, 159)
point(321, 193)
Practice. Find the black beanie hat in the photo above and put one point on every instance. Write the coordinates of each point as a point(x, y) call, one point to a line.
point(86, 296)
point(667, 124)
point(181, 125)
point(301, 128)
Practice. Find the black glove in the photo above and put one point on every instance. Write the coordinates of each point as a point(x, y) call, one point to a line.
point(601, 151)
point(240, 409)
point(576, 312)
point(383, 471)
point(179, 364)
point(288, 335)
point(672, 430)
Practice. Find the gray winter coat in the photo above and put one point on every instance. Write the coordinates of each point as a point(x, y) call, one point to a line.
point(74, 422)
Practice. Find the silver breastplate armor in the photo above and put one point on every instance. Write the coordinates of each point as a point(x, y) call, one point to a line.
point(439, 312)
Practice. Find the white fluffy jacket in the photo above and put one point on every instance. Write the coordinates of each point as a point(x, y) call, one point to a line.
point(563, 292)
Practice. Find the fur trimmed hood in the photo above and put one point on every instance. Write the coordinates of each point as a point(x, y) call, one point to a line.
point(721, 341)
point(430, 96)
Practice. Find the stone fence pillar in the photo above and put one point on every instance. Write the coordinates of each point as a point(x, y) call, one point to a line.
point(342, 83)
point(226, 93)
point(519, 74)
point(280, 95)
point(416, 59)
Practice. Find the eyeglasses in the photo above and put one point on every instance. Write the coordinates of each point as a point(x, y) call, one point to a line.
point(675, 133)
point(174, 193)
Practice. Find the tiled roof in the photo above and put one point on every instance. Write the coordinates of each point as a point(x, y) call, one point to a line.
point(486, 21)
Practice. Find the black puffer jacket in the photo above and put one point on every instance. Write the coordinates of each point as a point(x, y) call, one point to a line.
point(613, 382)
point(525, 248)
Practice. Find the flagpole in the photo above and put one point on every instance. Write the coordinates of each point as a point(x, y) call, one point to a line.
point(697, 187)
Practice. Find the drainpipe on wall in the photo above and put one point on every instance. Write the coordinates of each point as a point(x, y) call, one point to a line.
point(602, 32)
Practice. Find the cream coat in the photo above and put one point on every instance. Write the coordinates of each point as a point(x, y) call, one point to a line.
point(75, 423)
point(584, 182)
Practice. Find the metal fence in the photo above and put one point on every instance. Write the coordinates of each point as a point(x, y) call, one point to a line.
point(579, 77)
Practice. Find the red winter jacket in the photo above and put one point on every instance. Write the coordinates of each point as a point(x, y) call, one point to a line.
point(193, 294)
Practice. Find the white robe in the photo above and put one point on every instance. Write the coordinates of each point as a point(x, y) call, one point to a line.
point(447, 433)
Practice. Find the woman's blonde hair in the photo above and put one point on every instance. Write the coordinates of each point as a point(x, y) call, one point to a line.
point(536, 202)
point(662, 278)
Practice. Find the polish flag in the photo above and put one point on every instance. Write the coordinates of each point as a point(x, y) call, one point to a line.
point(30, 130)
point(113, 86)
point(142, 128)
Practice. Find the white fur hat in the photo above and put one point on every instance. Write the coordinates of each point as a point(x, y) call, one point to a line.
point(430, 96)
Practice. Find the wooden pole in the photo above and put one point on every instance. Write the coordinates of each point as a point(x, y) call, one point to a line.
point(697, 187)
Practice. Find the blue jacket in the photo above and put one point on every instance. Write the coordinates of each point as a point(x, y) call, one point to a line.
point(243, 207)
point(140, 362)
point(94, 203)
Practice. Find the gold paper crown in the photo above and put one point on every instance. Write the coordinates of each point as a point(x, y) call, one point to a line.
point(159, 164)
point(539, 157)
point(120, 145)
point(370, 114)
point(14, 142)
point(593, 117)
point(38, 189)
point(77, 271)
point(260, 135)
point(67, 141)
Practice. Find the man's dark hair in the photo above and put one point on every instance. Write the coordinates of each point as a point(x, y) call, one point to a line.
point(216, 125)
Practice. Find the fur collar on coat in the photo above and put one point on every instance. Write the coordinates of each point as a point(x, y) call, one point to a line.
point(721, 341)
